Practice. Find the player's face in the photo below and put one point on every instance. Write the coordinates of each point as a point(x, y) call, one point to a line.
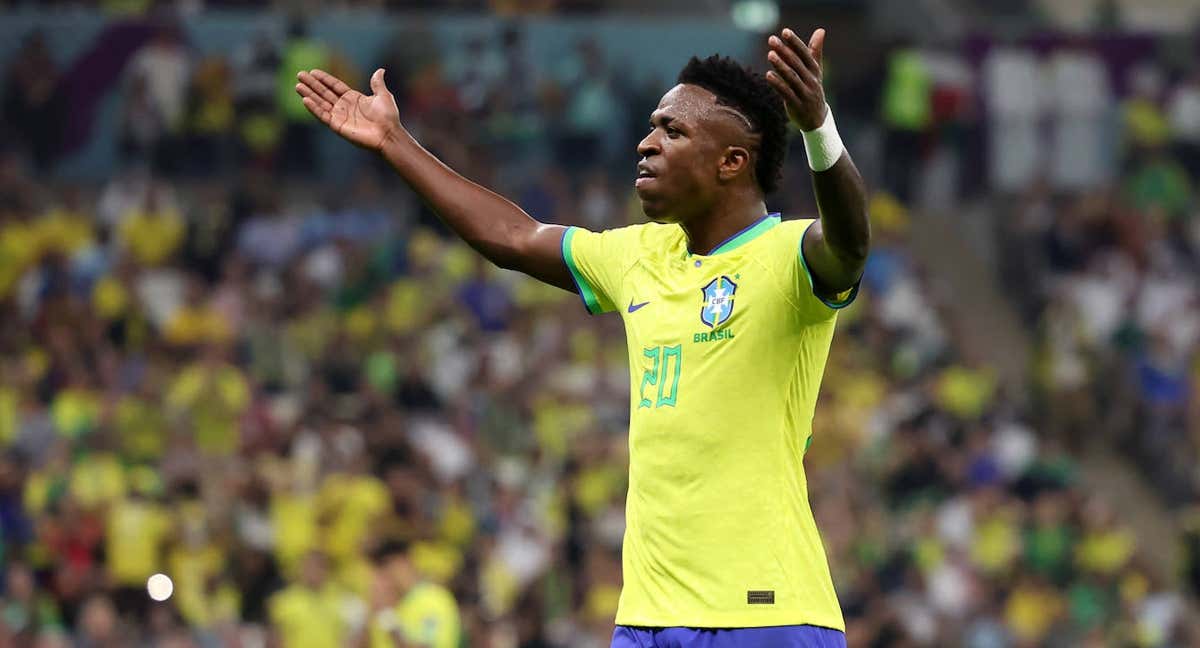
point(677, 176)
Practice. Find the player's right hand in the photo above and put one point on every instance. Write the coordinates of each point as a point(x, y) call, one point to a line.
point(368, 121)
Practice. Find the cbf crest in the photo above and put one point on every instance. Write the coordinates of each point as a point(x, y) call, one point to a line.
point(718, 301)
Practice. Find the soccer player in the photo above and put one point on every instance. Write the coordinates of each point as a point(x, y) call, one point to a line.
point(729, 313)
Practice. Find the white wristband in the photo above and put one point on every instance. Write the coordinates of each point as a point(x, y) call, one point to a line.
point(823, 144)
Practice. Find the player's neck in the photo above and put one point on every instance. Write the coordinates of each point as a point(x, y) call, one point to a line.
point(705, 233)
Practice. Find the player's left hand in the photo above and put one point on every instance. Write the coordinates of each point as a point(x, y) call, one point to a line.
point(797, 76)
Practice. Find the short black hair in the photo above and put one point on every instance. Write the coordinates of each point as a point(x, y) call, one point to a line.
point(749, 93)
point(388, 548)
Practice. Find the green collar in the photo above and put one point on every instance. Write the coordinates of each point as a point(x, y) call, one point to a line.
point(751, 232)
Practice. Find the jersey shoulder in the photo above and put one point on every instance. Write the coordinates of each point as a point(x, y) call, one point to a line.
point(785, 256)
point(781, 250)
point(650, 236)
point(632, 241)
point(790, 232)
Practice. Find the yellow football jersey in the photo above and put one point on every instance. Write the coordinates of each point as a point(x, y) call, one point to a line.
point(726, 354)
point(426, 617)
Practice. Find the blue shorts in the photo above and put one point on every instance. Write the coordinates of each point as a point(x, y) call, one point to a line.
point(793, 636)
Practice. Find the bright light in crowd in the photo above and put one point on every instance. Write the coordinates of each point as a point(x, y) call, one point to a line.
point(160, 587)
point(756, 15)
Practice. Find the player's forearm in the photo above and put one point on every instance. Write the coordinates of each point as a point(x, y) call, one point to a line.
point(842, 201)
point(488, 222)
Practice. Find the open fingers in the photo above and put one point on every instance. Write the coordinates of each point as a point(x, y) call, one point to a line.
point(817, 44)
point(783, 88)
point(318, 87)
point(789, 73)
point(338, 86)
point(320, 113)
point(789, 57)
point(306, 92)
point(797, 44)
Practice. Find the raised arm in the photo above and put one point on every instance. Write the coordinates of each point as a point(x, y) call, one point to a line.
point(495, 227)
point(835, 249)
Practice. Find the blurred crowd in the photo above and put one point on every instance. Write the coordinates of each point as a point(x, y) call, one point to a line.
point(193, 115)
point(120, 8)
point(1104, 258)
point(1084, 151)
point(308, 404)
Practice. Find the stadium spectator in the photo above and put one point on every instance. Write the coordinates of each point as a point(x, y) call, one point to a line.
point(906, 115)
point(1081, 117)
point(153, 230)
point(406, 610)
point(1014, 96)
point(299, 52)
point(1183, 110)
point(30, 83)
point(155, 116)
point(311, 612)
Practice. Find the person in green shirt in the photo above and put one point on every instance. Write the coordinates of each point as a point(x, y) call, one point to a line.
point(300, 52)
point(1050, 540)
point(906, 113)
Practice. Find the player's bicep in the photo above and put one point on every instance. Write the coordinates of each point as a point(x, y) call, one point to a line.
point(823, 278)
point(540, 256)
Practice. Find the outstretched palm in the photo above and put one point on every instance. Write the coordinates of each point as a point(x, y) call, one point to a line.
point(364, 120)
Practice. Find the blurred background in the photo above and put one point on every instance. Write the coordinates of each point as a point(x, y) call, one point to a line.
point(237, 351)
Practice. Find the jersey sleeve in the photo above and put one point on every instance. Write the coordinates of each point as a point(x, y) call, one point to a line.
point(598, 261)
point(809, 299)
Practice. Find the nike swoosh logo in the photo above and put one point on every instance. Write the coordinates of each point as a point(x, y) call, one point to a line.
point(633, 306)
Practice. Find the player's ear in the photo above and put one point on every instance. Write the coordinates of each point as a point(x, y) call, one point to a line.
point(735, 162)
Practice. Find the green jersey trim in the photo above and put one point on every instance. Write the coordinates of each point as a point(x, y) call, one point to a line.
point(836, 305)
point(590, 302)
point(751, 232)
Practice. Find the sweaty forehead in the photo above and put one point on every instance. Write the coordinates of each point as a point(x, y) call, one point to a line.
point(686, 99)
point(692, 104)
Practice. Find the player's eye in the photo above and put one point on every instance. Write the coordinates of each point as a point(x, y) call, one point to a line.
point(673, 132)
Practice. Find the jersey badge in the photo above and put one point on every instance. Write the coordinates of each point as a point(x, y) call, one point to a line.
point(718, 301)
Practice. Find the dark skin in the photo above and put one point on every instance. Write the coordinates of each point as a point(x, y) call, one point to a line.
point(701, 156)
point(835, 248)
point(494, 226)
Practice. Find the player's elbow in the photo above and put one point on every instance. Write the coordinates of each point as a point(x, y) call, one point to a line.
point(501, 255)
point(855, 256)
point(505, 261)
point(851, 254)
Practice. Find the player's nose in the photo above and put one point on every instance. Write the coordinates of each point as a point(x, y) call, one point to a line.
point(648, 146)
